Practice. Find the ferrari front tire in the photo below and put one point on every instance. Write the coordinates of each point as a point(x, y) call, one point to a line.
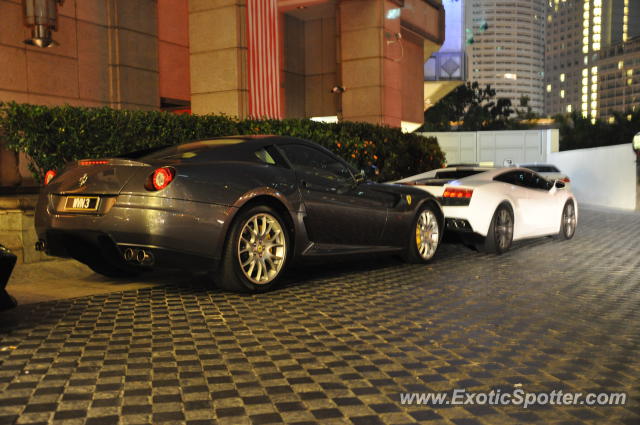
point(569, 221)
point(500, 235)
point(256, 251)
point(425, 236)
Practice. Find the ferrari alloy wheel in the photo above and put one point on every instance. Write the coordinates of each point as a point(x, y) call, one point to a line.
point(427, 234)
point(500, 235)
point(256, 251)
point(425, 237)
point(261, 248)
point(569, 221)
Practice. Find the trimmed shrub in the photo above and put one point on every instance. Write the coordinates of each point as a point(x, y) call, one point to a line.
point(578, 132)
point(53, 136)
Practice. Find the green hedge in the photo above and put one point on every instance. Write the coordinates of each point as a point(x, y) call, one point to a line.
point(52, 136)
point(577, 132)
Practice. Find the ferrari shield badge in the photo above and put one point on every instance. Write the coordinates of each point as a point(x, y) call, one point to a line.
point(409, 199)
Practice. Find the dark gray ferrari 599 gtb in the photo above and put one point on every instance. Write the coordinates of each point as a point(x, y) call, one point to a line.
point(243, 207)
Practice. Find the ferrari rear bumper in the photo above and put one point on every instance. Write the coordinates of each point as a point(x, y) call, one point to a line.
point(172, 231)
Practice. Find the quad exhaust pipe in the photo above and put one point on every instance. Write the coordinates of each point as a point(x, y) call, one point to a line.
point(139, 256)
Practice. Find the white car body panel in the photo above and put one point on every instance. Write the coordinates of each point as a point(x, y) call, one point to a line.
point(537, 212)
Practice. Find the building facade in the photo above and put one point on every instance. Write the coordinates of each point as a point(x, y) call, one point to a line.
point(505, 47)
point(358, 60)
point(587, 55)
point(619, 77)
point(447, 68)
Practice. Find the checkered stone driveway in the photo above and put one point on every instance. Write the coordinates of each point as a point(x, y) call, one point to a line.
point(339, 346)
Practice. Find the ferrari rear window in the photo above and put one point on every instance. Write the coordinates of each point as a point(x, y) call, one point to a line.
point(191, 150)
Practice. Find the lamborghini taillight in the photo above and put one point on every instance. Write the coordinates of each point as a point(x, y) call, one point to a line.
point(453, 192)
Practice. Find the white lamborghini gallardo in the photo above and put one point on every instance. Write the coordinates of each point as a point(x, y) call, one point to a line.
point(500, 205)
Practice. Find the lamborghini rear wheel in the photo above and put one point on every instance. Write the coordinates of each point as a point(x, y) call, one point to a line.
point(569, 221)
point(500, 235)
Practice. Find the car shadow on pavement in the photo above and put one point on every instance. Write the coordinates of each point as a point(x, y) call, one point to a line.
point(68, 279)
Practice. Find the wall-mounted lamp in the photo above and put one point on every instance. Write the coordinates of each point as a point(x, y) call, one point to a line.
point(42, 17)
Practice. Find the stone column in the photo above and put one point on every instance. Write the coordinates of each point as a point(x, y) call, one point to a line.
point(9, 171)
point(370, 70)
point(133, 54)
point(218, 56)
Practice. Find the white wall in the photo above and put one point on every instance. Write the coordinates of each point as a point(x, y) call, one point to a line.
point(521, 146)
point(604, 176)
point(458, 147)
point(518, 146)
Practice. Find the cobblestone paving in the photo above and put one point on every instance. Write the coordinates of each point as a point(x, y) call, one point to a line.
point(338, 347)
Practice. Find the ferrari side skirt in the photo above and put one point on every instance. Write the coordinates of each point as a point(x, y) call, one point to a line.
point(319, 250)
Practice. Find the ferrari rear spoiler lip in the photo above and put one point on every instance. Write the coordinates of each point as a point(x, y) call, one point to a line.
point(97, 162)
point(108, 161)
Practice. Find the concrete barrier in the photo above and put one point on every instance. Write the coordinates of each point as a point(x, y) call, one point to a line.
point(604, 176)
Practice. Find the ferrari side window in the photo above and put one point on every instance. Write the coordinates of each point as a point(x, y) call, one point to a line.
point(265, 156)
point(316, 166)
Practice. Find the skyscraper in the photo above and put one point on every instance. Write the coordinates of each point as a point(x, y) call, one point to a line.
point(505, 47)
point(580, 34)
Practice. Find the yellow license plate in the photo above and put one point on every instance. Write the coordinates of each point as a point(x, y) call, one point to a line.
point(81, 203)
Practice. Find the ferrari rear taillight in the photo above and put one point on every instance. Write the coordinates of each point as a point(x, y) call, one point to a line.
point(160, 178)
point(565, 180)
point(451, 192)
point(49, 175)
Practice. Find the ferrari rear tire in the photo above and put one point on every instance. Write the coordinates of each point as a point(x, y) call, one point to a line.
point(425, 236)
point(256, 251)
point(569, 221)
point(500, 235)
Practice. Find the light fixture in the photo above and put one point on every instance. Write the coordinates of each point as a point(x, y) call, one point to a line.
point(331, 119)
point(42, 17)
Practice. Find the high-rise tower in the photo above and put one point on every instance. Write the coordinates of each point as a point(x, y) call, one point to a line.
point(580, 34)
point(505, 47)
